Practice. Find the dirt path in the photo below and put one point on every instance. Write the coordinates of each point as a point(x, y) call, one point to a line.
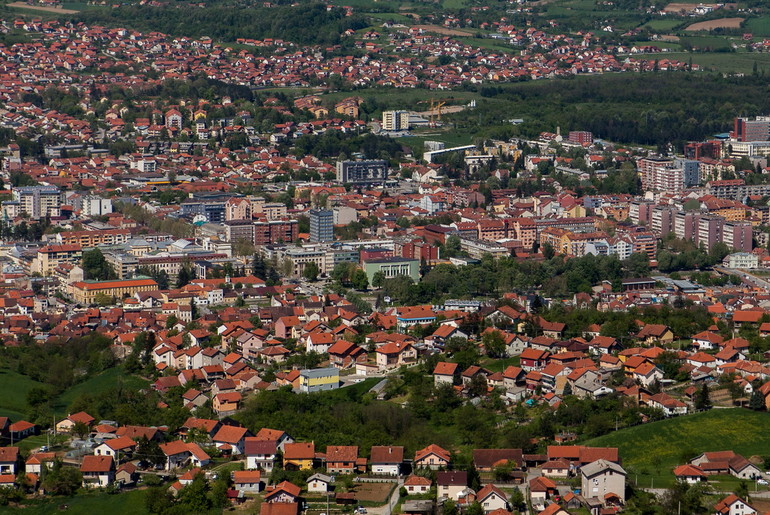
point(58, 10)
point(443, 30)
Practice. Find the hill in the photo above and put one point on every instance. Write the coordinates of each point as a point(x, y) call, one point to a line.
point(654, 449)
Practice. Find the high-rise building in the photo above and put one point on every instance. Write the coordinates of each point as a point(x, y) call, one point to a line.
point(321, 225)
point(757, 129)
point(580, 137)
point(395, 121)
point(38, 201)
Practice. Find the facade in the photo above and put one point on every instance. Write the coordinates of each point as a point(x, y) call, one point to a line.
point(51, 256)
point(319, 379)
point(372, 171)
point(745, 260)
point(321, 225)
point(746, 129)
point(392, 267)
point(603, 479)
point(395, 120)
point(38, 201)
point(85, 292)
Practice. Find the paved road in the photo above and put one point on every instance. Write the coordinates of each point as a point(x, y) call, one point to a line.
point(388, 508)
point(746, 277)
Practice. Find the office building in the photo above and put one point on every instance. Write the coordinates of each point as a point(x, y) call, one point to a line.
point(757, 129)
point(372, 171)
point(321, 225)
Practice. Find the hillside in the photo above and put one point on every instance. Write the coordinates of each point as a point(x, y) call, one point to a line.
point(654, 449)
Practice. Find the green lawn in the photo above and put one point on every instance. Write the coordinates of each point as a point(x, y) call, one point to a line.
point(651, 451)
point(128, 503)
point(14, 388)
point(498, 365)
point(97, 384)
point(705, 42)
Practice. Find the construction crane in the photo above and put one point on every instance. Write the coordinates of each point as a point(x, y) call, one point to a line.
point(436, 109)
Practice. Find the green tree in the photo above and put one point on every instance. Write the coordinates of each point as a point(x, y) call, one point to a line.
point(702, 398)
point(95, 266)
point(494, 344)
point(378, 279)
point(360, 280)
point(149, 452)
point(757, 400)
point(548, 250)
point(310, 272)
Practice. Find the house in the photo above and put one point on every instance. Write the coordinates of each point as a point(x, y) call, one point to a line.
point(320, 483)
point(604, 480)
point(555, 468)
point(492, 498)
point(417, 485)
point(451, 483)
point(432, 457)
point(280, 437)
point(36, 462)
point(179, 454)
point(533, 359)
point(126, 474)
point(387, 459)
point(97, 471)
point(394, 354)
point(231, 439)
point(554, 509)
point(298, 456)
point(279, 508)
point(260, 454)
point(445, 373)
point(652, 334)
point(726, 462)
point(9, 460)
point(734, 505)
point(247, 480)
point(540, 490)
point(66, 425)
point(689, 474)
point(647, 374)
point(116, 447)
point(486, 460)
point(341, 459)
point(668, 404)
point(22, 429)
point(283, 492)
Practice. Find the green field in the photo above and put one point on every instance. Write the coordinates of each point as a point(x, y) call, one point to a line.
point(129, 503)
point(14, 388)
point(727, 62)
point(705, 42)
point(97, 384)
point(662, 25)
point(758, 26)
point(498, 365)
point(651, 451)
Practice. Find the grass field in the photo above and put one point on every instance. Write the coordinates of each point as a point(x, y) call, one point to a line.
point(498, 365)
point(705, 42)
point(662, 25)
point(129, 503)
point(14, 388)
point(758, 26)
point(97, 384)
point(651, 451)
point(727, 62)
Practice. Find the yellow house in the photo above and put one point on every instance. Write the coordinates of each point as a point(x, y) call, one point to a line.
point(298, 456)
point(85, 292)
point(319, 379)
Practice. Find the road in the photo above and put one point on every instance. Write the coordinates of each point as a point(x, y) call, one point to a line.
point(392, 502)
point(746, 277)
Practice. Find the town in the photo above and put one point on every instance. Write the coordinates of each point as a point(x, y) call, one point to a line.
point(385, 266)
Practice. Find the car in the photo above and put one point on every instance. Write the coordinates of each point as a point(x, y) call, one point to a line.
point(762, 482)
point(43, 448)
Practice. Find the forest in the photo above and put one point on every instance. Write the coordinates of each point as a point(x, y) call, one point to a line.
point(651, 108)
point(304, 24)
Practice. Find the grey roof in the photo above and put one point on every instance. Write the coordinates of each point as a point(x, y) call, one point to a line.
point(599, 466)
point(321, 477)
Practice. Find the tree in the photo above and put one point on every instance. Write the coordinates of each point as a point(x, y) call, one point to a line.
point(378, 279)
point(702, 399)
point(548, 250)
point(757, 400)
point(494, 343)
point(149, 452)
point(310, 272)
point(258, 266)
point(158, 499)
point(61, 480)
point(360, 280)
point(478, 386)
point(95, 266)
point(567, 389)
